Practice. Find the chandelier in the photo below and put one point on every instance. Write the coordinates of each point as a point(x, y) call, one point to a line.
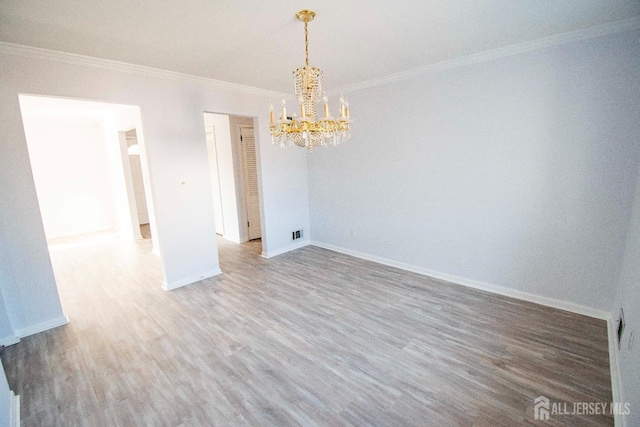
point(308, 130)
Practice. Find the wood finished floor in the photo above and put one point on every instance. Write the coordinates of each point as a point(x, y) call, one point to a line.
point(308, 338)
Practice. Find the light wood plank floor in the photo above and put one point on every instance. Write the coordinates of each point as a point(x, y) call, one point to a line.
point(308, 338)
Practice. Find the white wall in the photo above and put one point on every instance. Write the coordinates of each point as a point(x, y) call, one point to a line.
point(226, 174)
point(71, 170)
point(138, 189)
point(7, 334)
point(28, 285)
point(134, 221)
point(135, 166)
point(628, 297)
point(6, 401)
point(147, 187)
point(212, 156)
point(517, 172)
point(175, 147)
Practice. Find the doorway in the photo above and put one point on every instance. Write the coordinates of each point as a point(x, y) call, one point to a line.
point(233, 165)
point(137, 181)
point(89, 185)
point(81, 162)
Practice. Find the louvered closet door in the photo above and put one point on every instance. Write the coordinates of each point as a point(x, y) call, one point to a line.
point(250, 182)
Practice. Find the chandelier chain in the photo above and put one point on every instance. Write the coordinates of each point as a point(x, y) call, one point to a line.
point(306, 41)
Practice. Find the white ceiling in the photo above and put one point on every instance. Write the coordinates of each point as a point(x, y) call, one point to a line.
point(259, 43)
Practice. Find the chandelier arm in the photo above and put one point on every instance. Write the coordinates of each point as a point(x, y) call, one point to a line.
point(309, 131)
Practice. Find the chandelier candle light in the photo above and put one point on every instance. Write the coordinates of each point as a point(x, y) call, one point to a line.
point(308, 130)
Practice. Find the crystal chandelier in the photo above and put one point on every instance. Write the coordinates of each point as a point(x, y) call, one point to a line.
point(308, 130)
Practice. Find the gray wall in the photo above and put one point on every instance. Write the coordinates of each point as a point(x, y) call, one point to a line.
point(628, 297)
point(7, 334)
point(28, 285)
point(175, 143)
point(517, 172)
point(5, 399)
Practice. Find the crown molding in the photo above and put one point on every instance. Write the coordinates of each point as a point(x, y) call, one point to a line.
point(108, 64)
point(559, 39)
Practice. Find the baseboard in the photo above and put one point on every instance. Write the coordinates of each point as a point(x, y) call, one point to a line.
point(14, 414)
point(513, 293)
point(189, 280)
point(616, 389)
point(286, 249)
point(84, 239)
point(616, 383)
point(9, 340)
point(41, 327)
point(155, 247)
point(234, 239)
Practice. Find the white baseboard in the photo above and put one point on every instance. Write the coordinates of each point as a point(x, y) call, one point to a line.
point(9, 340)
point(286, 249)
point(155, 249)
point(14, 414)
point(189, 280)
point(234, 239)
point(616, 389)
point(513, 293)
point(616, 383)
point(41, 327)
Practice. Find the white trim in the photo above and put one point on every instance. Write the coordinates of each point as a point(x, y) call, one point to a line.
point(41, 327)
point(616, 389)
point(229, 239)
point(108, 64)
point(189, 280)
point(14, 410)
point(286, 249)
point(616, 383)
point(513, 293)
point(9, 340)
point(537, 44)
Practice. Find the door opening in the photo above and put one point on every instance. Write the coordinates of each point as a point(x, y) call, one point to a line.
point(81, 165)
point(233, 165)
point(137, 183)
point(82, 170)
